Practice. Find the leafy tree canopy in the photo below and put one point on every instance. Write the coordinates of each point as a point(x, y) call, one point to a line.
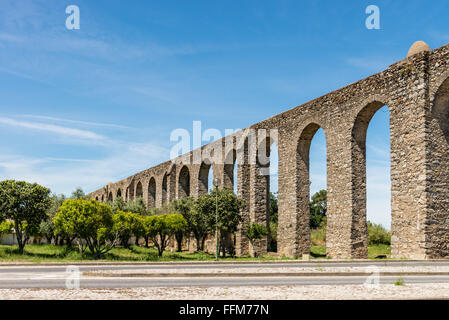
point(26, 205)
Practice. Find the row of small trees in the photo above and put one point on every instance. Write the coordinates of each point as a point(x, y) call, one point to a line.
point(95, 226)
point(31, 211)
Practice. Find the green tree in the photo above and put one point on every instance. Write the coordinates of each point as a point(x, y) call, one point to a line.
point(46, 227)
point(90, 222)
point(25, 204)
point(136, 206)
point(183, 207)
point(160, 228)
point(125, 225)
point(118, 205)
point(256, 232)
point(229, 206)
point(273, 207)
point(78, 194)
point(179, 225)
point(318, 208)
point(377, 234)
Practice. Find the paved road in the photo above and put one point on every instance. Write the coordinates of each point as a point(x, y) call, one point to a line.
point(55, 276)
point(206, 282)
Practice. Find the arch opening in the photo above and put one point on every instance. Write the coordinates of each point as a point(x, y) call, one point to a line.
point(119, 193)
point(371, 176)
point(311, 201)
point(164, 193)
point(139, 190)
point(152, 193)
point(273, 196)
point(204, 178)
point(184, 183)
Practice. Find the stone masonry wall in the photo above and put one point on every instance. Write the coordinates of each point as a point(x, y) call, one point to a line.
point(416, 91)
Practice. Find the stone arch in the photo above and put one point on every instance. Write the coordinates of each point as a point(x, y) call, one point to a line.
point(302, 185)
point(359, 233)
point(437, 236)
point(119, 193)
point(96, 198)
point(184, 183)
point(440, 109)
point(139, 190)
point(110, 197)
point(203, 178)
point(152, 193)
point(102, 198)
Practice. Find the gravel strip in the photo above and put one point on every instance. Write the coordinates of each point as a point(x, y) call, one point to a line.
point(318, 270)
point(357, 292)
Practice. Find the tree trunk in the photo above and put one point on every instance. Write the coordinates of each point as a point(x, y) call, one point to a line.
point(179, 241)
point(202, 243)
point(198, 243)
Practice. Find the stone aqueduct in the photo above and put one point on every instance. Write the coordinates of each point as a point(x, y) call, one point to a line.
point(416, 91)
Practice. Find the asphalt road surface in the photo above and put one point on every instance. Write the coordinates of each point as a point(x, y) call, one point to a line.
point(35, 276)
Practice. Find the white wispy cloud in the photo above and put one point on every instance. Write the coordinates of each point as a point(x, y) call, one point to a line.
point(10, 37)
point(60, 130)
point(63, 175)
point(85, 123)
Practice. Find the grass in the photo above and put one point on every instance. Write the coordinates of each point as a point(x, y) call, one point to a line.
point(399, 282)
point(49, 253)
point(375, 251)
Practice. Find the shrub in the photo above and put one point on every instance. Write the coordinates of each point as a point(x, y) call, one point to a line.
point(90, 222)
point(378, 234)
point(256, 231)
point(125, 225)
point(160, 228)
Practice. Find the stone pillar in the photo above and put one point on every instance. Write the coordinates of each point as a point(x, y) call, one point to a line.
point(259, 202)
point(243, 191)
point(171, 184)
point(346, 212)
point(293, 196)
point(411, 159)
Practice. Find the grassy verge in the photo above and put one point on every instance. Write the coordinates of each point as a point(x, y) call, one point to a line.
point(374, 251)
point(50, 253)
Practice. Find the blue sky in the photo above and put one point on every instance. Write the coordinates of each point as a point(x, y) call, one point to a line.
point(84, 107)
